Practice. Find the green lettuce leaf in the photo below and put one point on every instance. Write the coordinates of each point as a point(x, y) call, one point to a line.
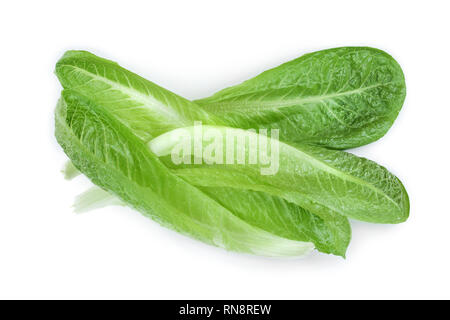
point(329, 184)
point(338, 98)
point(115, 159)
point(87, 76)
point(108, 83)
point(320, 180)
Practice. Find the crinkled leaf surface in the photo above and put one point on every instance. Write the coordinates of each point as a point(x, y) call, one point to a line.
point(284, 218)
point(257, 208)
point(328, 236)
point(116, 160)
point(107, 83)
point(338, 98)
point(320, 180)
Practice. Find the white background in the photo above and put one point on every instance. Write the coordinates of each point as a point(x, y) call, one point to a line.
point(195, 48)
